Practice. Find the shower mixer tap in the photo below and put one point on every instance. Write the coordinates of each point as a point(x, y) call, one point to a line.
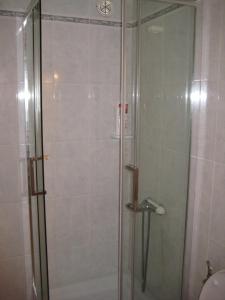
point(149, 204)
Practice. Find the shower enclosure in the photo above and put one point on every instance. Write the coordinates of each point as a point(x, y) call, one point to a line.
point(107, 126)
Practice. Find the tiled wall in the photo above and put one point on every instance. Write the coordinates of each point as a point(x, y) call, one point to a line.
point(207, 186)
point(14, 234)
point(80, 8)
point(82, 99)
point(81, 82)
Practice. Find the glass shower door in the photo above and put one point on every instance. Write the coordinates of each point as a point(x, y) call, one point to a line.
point(34, 144)
point(156, 171)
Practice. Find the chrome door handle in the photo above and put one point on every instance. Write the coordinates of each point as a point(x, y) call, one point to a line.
point(135, 170)
point(32, 184)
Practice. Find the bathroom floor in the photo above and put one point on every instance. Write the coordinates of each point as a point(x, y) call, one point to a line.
point(95, 289)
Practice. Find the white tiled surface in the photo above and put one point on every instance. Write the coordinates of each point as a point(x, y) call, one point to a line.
point(13, 275)
point(80, 8)
point(16, 5)
point(8, 72)
point(82, 170)
point(14, 228)
point(208, 163)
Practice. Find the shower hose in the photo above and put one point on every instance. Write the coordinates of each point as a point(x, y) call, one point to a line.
point(145, 247)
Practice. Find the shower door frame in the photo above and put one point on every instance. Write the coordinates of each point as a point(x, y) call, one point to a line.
point(35, 156)
point(123, 95)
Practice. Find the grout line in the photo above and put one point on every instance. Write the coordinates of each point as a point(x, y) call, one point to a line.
point(81, 20)
point(161, 13)
point(9, 13)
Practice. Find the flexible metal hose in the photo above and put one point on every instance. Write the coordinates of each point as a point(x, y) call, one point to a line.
point(145, 248)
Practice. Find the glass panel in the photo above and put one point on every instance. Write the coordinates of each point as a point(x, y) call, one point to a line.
point(34, 150)
point(166, 52)
point(161, 38)
point(81, 97)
